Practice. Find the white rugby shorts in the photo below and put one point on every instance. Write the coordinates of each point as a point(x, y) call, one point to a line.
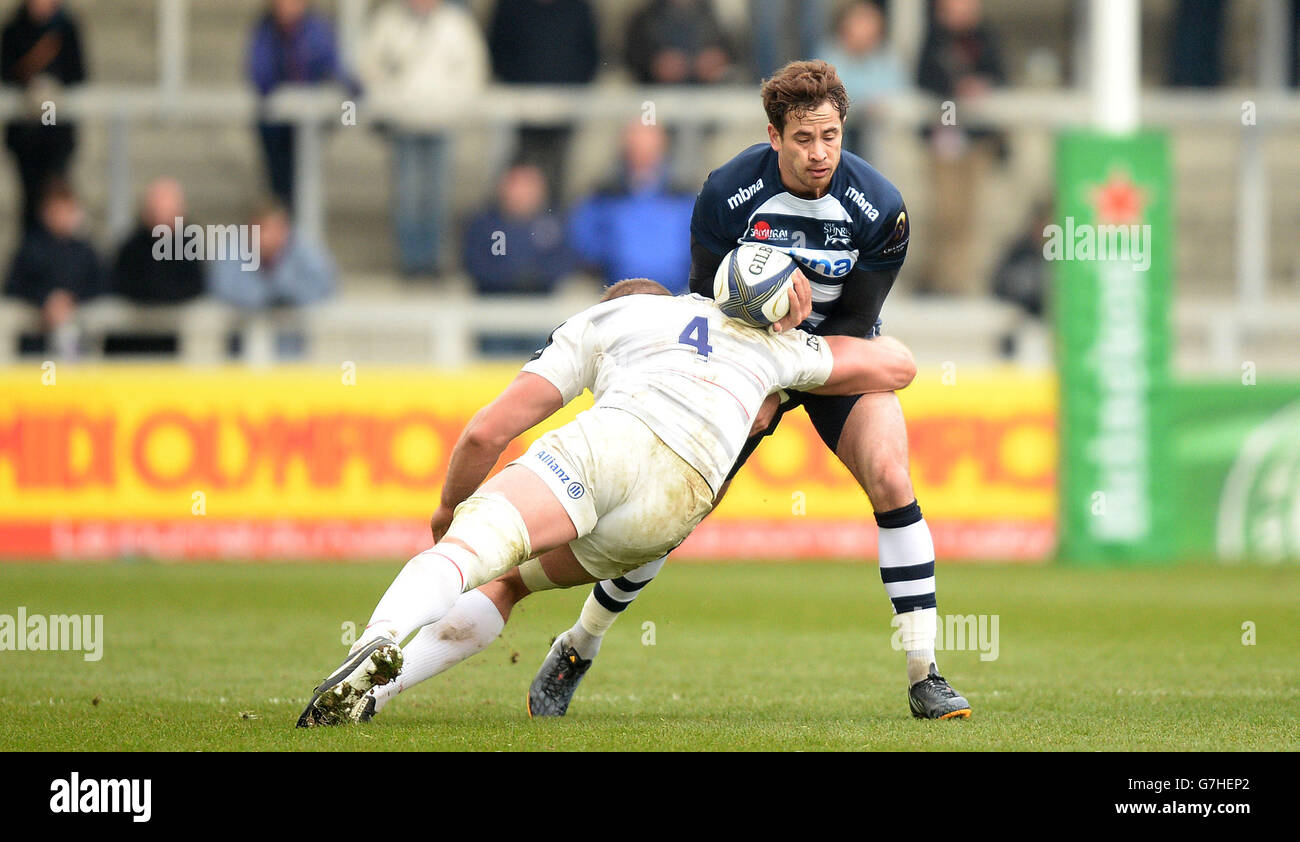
point(629, 495)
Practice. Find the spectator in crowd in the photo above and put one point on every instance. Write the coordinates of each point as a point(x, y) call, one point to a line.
point(143, 275)
point(1021, 274)
point(639, 226)
point(517, 245)
point(1293, 41)
point(137, 274)
point(1196, 51)
point(291, 45)
point(544, 42)
point(421, 57)
point(40, 52)
point(870, 70)
point(672, 42)
point(775, 22)
point(56, 269)
point(291, 271)
point(959, 62)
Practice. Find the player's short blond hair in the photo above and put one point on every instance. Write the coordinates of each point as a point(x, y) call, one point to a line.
point(634, 286)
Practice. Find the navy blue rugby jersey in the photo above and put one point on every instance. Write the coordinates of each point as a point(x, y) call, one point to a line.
point(857, 231)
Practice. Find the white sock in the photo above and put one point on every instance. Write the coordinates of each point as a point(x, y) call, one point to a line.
point(606, 601)
point(467, 629)
point(907, 571)
point(917, 631)
point(422, 593)
point(589, 631)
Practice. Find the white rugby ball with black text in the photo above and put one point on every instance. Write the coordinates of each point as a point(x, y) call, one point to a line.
point(753, 284)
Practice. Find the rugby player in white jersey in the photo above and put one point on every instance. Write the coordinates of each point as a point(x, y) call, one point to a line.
point(677, 389)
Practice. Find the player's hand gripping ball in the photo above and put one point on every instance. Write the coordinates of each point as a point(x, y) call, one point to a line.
point(753, 284)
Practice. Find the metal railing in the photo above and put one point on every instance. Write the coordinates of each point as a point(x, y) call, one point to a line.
point(690, 111)
point(444, 328)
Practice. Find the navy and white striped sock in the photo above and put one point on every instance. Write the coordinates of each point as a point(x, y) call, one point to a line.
point(907, 571)
point(607, 600)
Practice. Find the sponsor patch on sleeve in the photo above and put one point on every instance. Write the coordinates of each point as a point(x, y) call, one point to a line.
point(897, 241)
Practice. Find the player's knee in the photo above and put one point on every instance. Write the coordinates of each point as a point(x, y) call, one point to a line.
point(888, 483)
point(494, 530)
point(509, 587)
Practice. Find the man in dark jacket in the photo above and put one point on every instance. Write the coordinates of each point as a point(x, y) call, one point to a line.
point(55, 269)
point(673, 42)
point(40, 51)
point(544, 42)
point(140, 277)
point(959, 63)
point(517, 246)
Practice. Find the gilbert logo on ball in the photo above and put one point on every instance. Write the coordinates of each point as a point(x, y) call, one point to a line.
point(753, 284)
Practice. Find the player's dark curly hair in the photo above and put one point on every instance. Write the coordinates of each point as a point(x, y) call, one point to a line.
point(800, 87)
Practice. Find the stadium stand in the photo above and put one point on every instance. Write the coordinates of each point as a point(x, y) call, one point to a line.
point(197, 125)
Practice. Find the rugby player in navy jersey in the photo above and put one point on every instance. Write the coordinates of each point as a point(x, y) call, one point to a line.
point(847, 226)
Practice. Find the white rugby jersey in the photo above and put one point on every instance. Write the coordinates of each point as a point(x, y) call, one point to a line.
point(695, 377)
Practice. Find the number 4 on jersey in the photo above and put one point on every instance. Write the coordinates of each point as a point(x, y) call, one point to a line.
point(696, 335)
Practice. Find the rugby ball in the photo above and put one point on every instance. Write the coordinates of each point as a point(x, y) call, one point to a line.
point(753, 284)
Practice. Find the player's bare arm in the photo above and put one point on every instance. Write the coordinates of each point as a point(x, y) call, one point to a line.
point(867, 365)
point(762, 419)
point(526, 402)
point(887, 366)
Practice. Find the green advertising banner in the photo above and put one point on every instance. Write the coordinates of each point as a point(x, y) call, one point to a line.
point(1237, 484)
point(1110, 250)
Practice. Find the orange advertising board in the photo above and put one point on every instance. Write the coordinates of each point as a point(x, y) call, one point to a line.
point(318, 463)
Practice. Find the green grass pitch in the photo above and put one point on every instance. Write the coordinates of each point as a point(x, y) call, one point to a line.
point(222, 657)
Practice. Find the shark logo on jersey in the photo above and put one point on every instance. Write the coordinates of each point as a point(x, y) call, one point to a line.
point(835, 235)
